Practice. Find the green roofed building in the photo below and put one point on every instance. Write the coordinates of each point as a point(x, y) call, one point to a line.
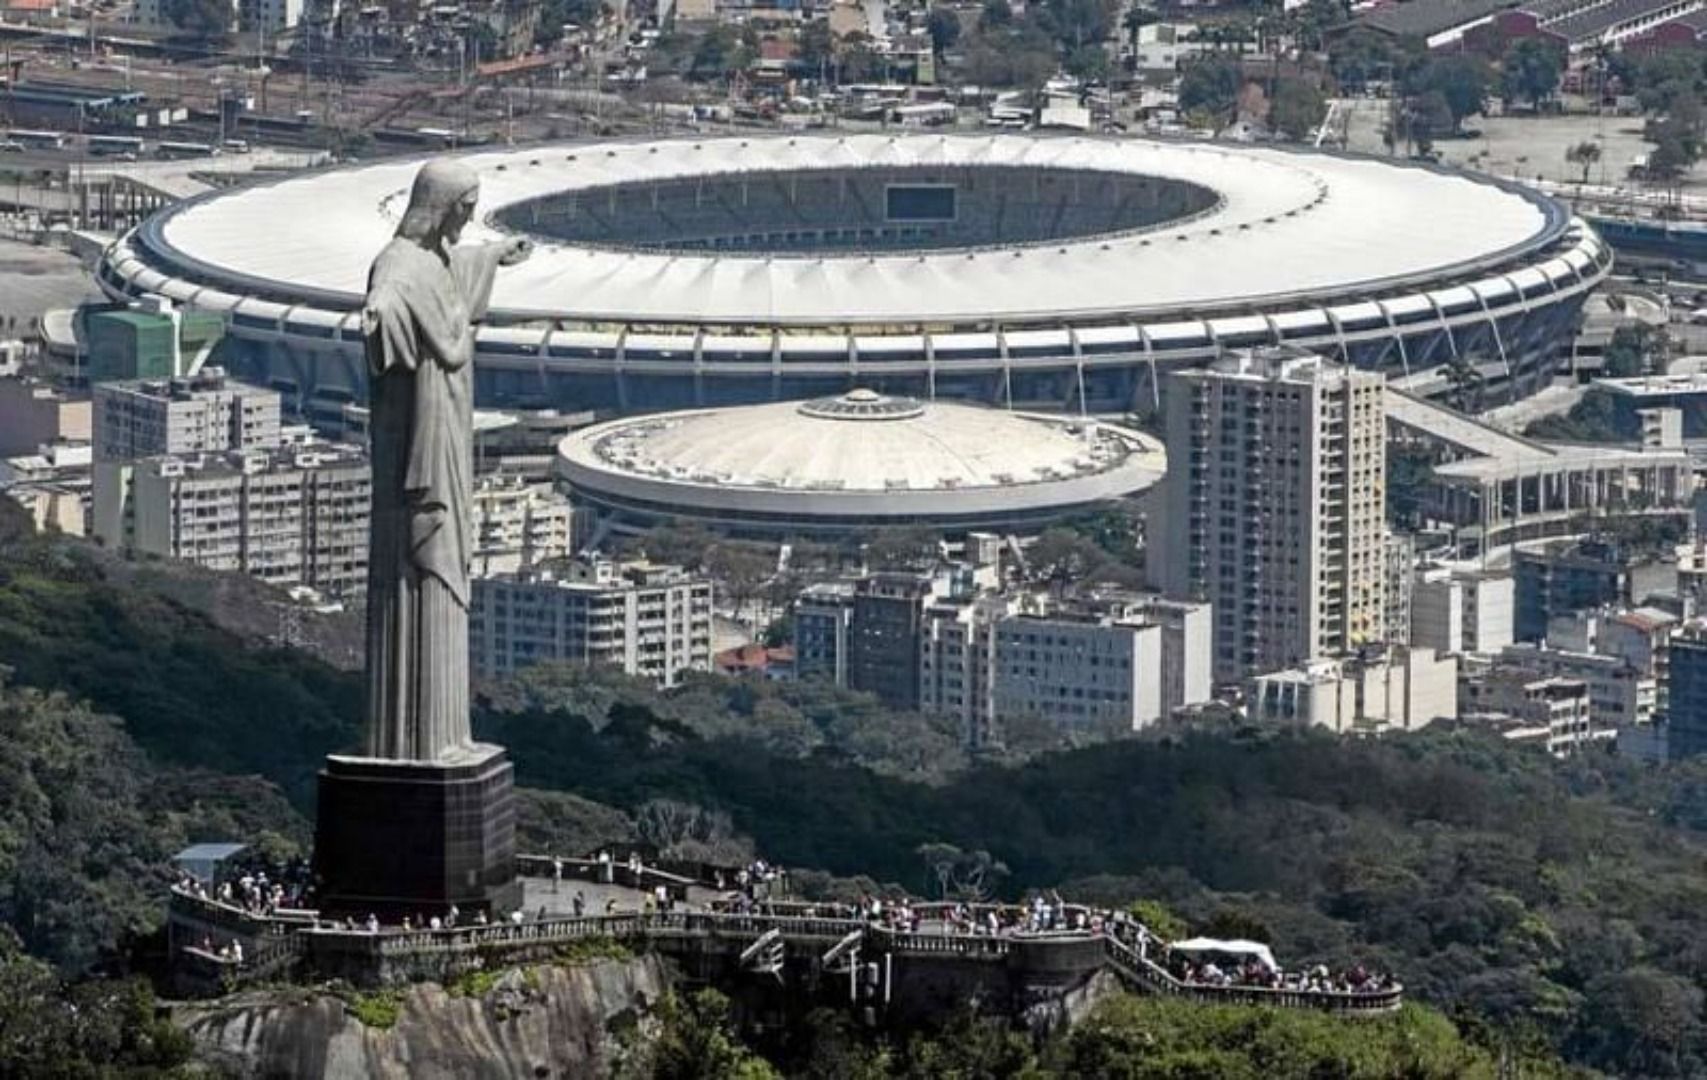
point(135, 344)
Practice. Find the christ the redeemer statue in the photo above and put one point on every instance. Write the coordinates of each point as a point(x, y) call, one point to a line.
point(424, 297)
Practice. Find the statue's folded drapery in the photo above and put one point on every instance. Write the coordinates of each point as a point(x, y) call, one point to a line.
point(418, 324)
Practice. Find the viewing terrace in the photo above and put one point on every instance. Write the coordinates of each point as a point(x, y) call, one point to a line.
point(906, 955)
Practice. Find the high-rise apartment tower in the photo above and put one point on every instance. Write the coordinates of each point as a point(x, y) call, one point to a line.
point(1273, 509)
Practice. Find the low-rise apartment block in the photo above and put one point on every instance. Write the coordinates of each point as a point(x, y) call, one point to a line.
point(1095, 675)
point(197, 414)
point(1549, 711)
point(645, 619)
point(289, 516)
point(519, 524)
point(1403, 689)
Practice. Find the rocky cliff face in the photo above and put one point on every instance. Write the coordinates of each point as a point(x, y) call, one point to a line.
point(540, 1022)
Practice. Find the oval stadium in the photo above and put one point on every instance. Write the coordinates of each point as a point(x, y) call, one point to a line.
point(1033, 272)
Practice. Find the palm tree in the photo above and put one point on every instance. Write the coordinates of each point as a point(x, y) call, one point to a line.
point(1584, 154)
point(1602, 65)
point(1137, 17)
point(1466, 382)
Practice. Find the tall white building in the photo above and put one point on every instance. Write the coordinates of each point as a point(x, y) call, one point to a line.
point(1274, 507)
point(196, 414)
point(645, 619)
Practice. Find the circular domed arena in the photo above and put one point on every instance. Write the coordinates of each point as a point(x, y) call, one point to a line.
point(1029, 271)
point(854, 462)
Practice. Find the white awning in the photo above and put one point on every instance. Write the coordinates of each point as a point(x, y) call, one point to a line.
point(1249, 950)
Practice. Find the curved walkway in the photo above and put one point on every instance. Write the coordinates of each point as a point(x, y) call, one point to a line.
point(275, 940)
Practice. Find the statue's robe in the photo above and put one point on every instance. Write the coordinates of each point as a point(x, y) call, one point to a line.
point(418, 324)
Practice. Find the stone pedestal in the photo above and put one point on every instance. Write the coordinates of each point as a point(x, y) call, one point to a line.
point(399, 838)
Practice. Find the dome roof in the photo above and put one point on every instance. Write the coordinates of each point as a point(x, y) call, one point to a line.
point(862, 441)
point(861, 453)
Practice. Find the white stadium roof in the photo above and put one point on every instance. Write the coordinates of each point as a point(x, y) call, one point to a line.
point(1288, 225)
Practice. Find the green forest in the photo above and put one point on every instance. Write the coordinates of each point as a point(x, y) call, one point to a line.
point(1537, 908)
point(1124, 1038)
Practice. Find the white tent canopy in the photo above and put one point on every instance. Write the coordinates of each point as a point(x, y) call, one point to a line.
point(1247, 950)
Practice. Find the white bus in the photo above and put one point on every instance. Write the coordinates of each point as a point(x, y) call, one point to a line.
point(930, 114)
point(38, 140)
point(185, 149)
point(115, 144)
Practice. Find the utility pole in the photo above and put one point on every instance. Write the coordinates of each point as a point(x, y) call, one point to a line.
point(307, 76)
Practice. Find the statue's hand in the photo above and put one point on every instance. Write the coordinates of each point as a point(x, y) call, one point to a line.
point(516, 249)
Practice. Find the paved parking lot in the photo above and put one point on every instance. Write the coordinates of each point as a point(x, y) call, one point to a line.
point(37, 279)
point(1527, 146)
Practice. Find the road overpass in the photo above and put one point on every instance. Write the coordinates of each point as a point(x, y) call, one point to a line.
point(1502, 488)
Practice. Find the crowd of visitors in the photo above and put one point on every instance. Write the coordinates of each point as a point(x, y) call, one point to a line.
point(257, 885)
point(759, 880)
point(230, 951)
point(1254, 974)
point(1043, 914)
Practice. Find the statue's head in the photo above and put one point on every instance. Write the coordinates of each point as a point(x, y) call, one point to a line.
point(440, 204)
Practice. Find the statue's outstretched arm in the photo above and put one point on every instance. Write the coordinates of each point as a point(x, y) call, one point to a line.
point(476, 265)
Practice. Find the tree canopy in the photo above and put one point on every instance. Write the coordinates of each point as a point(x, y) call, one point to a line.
point(210, 19)
point(1460, 79)
point(1297, 109)
point(1211, 84)
point(943, 25)
point(1530, 70)
point(1147, 1038)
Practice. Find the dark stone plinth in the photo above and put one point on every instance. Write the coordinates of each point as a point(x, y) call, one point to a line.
point(399, 838)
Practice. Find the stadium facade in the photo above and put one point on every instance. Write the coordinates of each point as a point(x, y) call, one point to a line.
point(1033, 272)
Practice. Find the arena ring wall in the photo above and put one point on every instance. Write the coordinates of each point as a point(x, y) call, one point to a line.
point(1060, 272)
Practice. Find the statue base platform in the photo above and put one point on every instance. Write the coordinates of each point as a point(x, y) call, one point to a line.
point(396, 838)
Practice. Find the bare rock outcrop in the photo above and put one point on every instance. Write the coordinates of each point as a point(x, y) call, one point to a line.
point(538, 1022)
